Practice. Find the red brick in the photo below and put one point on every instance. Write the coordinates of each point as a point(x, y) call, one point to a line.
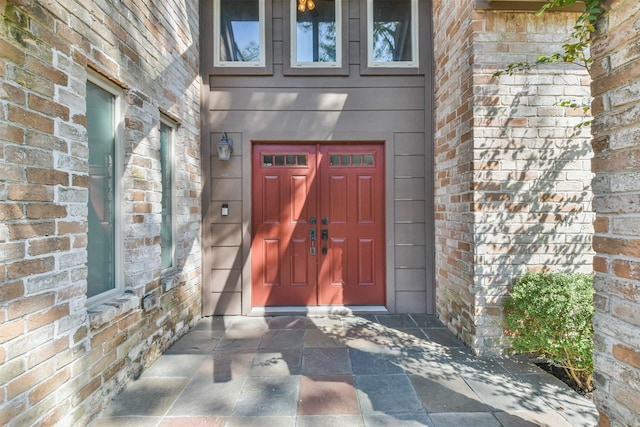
point(10, 211)
point(45, 211)
point(627, 269)
point(27, 230)
point(11, 330)
point(48, 107)
point(615, 246)
point(49, 245)
point(47, 177)
point(30, 119)
point(11, 133)
point(601, 225)
point(30, 305)
point(47, 351)
point(49, 386)
point(12, 53)
point(52, 74)
point(46, 317)
point(9, 291)
point(32, 193)
point(72, 227)
point(30, 267)
point(627, 355)
point(13, 93)
point(28, 379)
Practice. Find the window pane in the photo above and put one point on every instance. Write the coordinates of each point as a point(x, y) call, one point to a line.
point(316, 31)
point(240, 31)
point(166, 229)
point(392, 32)
point(102, 182)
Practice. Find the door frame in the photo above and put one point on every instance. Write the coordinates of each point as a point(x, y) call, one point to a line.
point(247, 143)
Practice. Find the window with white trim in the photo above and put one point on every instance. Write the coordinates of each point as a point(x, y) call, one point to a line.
point(316, 33)
point(392, 33)
point(104, 250)
point(167, 226)
point(239, 33)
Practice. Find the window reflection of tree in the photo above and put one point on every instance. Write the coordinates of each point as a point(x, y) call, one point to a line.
point(321, 24)
point(240, 31)
point(392, 31)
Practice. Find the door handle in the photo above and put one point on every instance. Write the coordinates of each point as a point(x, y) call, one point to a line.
point(312, 234)
point(325, 237)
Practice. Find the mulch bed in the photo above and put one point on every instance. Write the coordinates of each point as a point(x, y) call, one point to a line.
point(558, 372)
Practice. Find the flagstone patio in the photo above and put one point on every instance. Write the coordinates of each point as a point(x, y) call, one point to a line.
point(384, 370)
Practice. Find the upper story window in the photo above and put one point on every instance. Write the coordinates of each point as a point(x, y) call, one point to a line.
point(392, 33)
point(316, 33)
point(103, 246)
point(239, 33)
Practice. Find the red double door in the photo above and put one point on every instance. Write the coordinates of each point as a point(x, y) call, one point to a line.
point(318, 225)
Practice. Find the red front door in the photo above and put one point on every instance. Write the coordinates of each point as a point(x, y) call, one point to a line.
point(318, 225)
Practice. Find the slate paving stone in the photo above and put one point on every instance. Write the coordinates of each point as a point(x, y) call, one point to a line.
point(139, 421)
point(315, 338)
point(330, 420)
point(193, 422)
point(282, 339)
point(196, 342)
point(326, 361)
point(275, 363)
point(213, 323)
point(223, 366)
point(175, 365)
point(427, 321)
point(397, 321)
point(147, 397)
point(268, 396)
point(227, 343)
point(386, 394)
point(440, 394)
point(262, 421)
point(364, 362)
point(470, 419)
point(501, 393)
point(442, 337)
point(289, 322)
point(326, 395)
point(417, 419)
point(204, 397)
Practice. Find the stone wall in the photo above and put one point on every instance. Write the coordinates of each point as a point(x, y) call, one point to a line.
point(512, 169)
point(61, 358)
point(616, 143)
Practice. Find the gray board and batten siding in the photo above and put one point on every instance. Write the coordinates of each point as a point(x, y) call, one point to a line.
point(346, 104)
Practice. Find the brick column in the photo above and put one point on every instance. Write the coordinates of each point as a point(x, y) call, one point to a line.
point(616, 131)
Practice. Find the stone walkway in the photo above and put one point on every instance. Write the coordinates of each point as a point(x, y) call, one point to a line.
point(386, 370)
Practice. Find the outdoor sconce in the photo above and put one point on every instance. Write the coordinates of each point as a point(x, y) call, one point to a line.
point(225, 147)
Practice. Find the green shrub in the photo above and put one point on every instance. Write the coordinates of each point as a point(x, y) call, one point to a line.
point(549, 315)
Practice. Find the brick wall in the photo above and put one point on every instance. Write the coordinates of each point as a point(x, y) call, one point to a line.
point(62, 359)
point(512, 170)
point(453, 156)
point(616, 132)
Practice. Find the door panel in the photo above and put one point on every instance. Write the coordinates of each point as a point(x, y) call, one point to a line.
point(341, 189)
point(354, 207)
point(284, 192)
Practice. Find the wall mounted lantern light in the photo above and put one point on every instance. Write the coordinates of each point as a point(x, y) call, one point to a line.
point(225, 147)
